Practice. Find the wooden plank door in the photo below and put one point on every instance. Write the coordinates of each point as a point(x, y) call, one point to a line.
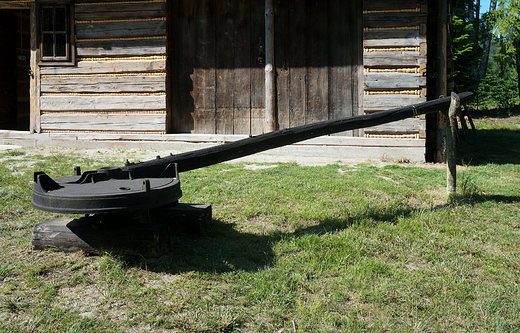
point(216, 78)
point(217, 68)
point(319, 61)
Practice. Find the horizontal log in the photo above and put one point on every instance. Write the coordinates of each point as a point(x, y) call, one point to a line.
point(380, 20)
point(97, 11)
point(110, 66)
point(15, 4)
point(385, 102)
point(392, 4)
point(382, 81)
point(89, 235)
point(148, 236)
point(124, 48)
point(103, 122)
point(102, 103)
point(392, 38)
point(405, 126)
point(121, 29)
point(229, 151)
point(100, 84)
point(393, 59)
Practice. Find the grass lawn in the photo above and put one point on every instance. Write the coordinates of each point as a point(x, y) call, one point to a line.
point(349, 248)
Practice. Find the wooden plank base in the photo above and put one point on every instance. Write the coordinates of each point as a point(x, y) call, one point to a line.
point(129, 234)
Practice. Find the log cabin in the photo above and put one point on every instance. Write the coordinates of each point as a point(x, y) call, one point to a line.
point(200, 69)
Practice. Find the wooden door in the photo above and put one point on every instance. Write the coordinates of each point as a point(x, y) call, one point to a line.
point(319, 61)
point(217, 63)
point(7, 71)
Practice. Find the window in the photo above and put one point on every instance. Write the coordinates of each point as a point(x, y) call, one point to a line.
point(56, 42)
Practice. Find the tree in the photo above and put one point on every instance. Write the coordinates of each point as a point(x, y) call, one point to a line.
point(507, 25)
point(466, 48)
point(482, 69)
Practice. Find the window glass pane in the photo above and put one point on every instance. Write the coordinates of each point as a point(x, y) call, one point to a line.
point(61, 45)
point(48, 41)
point(47, 19)
point(61, 19)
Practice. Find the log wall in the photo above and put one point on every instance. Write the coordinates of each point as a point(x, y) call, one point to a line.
point(118, 82)
point(394, 58)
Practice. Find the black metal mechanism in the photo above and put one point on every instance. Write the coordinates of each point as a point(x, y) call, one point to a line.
point(155, 183)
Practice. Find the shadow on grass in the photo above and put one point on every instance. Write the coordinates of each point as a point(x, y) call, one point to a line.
point(225, 249)
point(491, 146)
point(480, 198)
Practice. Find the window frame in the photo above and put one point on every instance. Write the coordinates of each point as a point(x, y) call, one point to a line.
point(70, 58)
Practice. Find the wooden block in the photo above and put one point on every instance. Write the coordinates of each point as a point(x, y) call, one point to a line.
point(184, 217)
point(92, 236)
point(145, 234)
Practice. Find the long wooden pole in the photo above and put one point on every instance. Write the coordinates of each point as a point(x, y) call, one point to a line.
point(229, 151)
point(270, 81)
point(451, 145)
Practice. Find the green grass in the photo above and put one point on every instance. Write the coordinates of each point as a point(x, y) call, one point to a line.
point(349, 248)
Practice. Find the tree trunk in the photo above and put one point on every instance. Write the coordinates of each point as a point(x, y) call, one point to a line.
point(487, 46)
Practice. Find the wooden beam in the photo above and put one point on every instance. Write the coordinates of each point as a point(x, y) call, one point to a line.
point(103, 102)
point(121, 121)
point(270, 80)
point(34, 118)
point(108, 66)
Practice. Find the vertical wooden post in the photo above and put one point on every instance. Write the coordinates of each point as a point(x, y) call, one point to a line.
point(451, 145)
point(270, 89)
point(441, 74)
point(34, 89)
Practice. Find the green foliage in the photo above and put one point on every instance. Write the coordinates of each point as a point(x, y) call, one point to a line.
point(466, 48)
point(507, 21)
point(499, 91)
point(501, 86)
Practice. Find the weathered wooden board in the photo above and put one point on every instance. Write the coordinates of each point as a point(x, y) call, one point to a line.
point(297, 70)
point(130, 48)
point(392, 4)
point(394, 80)
point(16, 4)
point(225, 82)
point(410, 125)
point(102, 102)
point(392, 38)
point(317, 78)
point(99, 84)
point(203, 121)
point(98, 11)
point(224, 121)
point(394, 19)
point(86, 234)
point(385, 102)
point(346, 65)
point(104, 121)
point(110, 66)
point(282, 30)
point(121, 29)
point(257, 26)
point(193, 71)
point(242, 71)
point(393, 59)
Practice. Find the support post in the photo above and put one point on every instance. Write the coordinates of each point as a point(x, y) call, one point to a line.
point(451, 145)
point(34, 99)
point(270, 81)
